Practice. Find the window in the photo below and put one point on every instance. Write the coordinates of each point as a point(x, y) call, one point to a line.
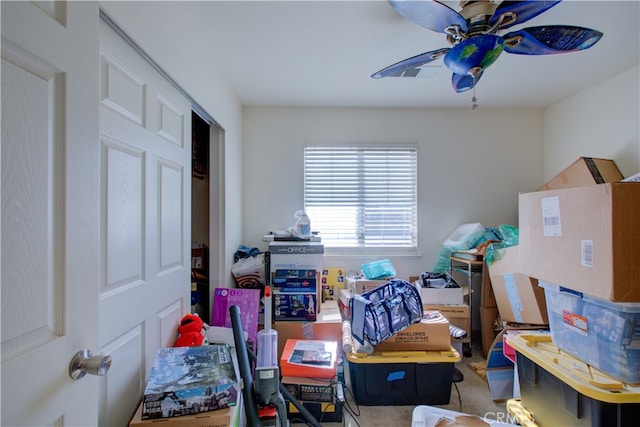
point(362, 197)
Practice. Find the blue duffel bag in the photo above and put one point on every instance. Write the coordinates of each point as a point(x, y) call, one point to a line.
point(384, 311)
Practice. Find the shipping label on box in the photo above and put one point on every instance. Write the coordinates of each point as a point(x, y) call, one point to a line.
point(294, 305)
point(431, 333)
point(584, 239)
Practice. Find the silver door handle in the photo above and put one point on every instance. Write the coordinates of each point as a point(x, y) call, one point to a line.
point(84, 362)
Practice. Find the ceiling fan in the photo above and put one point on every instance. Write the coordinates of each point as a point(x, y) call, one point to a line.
point(474, 34)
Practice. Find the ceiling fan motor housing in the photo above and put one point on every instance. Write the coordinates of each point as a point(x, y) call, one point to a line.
point(476, 52)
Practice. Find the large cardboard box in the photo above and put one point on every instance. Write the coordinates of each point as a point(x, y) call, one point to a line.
point(431, 333)
point(584, 238)
point(585, 171)
point(518, 296)
point(487, 297)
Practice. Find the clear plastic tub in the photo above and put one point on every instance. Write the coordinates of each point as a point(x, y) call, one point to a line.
point(603, 334)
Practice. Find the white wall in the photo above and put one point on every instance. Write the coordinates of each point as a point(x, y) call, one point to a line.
point(472, 165)
point(603, 121)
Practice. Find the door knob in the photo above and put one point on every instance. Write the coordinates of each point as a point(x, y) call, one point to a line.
point(84, 362)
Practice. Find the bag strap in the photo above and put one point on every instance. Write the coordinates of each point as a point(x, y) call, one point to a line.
point(357, 310)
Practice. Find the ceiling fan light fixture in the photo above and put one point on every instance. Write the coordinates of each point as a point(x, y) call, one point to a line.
point(475, 52)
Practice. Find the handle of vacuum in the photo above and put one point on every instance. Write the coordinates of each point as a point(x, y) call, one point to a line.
point(250, 405)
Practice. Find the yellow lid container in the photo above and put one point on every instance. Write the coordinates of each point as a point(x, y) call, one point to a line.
point(582, 377)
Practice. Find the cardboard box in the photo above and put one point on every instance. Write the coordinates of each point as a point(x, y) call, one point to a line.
point(438, 296)
point(488, 332)
point(362, 285)
point(221, 418)
point(200, 258)
point(343, 304)
point(584, 239)
point(518, 296)
point(431, 333)
point(584, 171)
point(327, 327)
point(457, 315)
point(487, 297)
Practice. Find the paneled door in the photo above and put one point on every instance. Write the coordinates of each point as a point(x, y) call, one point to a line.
point(145, 217)
point(50, 211)
point(95, 214)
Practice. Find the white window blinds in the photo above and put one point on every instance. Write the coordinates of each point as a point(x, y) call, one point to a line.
point(362, 197)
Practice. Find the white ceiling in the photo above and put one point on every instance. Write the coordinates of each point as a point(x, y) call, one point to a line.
point(322, 53)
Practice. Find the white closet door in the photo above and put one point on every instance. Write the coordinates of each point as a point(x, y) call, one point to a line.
point(145, 214)
point(50, 211)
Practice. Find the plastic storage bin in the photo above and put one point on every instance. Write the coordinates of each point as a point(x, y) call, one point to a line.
point(561, 390)
point(380, 269)
point(604, 334)
point(402, 377)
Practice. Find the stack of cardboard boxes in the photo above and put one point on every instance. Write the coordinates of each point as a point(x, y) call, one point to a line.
point(578, 236)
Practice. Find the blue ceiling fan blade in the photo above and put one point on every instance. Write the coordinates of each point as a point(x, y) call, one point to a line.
point(464, 82)
point(429, 14)
point(524, 10)
point(410, 67)
point(550, 39)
